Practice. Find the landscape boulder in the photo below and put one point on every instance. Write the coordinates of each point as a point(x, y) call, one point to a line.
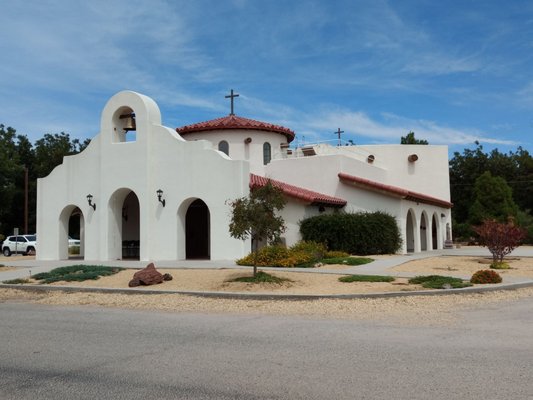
point(148, 276)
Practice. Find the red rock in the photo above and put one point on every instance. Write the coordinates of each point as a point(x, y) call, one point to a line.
point(134, 282)
point(146, 276)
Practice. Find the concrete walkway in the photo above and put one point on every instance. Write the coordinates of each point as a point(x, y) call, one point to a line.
point(26, 266)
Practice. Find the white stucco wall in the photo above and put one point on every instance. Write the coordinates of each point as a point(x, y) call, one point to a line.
point(242, 149)
point(293, 213)
point(320, 173)
point(158, 159)
point(429, 174)
point(112, 167)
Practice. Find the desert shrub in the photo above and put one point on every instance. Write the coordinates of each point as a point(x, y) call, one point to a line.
point(486, 276)
point(76, 273)
point(500, 265)
point(303, 253)
point(439, 282)
point(277, 256)
point(347, 260)
point(18, 281)
point(366, 278)
point(354, 233)
point(336, 254)
point(266, 256)
point(299, 259)
point(314, 250)
point(262, 277)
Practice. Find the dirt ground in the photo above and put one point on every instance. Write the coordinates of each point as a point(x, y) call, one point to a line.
point(216, 280)
point(419, 310)
point(411, 310)
point(304, 283)
point(466, 266)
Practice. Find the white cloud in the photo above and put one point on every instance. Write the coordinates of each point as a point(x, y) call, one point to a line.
point(391, 127)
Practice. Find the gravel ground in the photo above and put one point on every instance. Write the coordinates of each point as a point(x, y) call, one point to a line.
point(412, 309)
point(433, 310)
point(219, 280)
point(454, 265)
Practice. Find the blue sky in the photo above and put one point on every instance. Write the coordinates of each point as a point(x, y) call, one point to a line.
point(453, 72)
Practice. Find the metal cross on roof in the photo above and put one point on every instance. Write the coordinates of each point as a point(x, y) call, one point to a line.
point(231, 96)
point(338, 133)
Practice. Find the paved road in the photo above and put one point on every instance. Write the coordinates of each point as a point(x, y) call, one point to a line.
point(53, 352)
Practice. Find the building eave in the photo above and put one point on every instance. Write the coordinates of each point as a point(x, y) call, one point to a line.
point(306, 195)
point(393, 191)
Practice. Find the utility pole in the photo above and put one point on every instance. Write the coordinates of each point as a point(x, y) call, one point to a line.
point(26, 199)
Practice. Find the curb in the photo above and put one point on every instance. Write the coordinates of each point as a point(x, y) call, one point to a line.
point(273, 296)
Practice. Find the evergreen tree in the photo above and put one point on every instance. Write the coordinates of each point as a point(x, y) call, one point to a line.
point(410, 139)
point(493, 199)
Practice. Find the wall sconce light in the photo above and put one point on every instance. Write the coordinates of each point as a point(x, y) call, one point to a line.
point(90, 201)
point(159, 195)
point(412, 158)
point(248, 140)
point(442, 215)
point(370, 159)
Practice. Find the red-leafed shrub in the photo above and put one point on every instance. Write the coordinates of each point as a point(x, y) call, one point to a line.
point(486, 276)
point(501, 239)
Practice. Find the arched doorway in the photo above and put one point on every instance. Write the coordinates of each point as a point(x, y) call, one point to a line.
point(71, 239)
point(124, 225)
point(423, 233)
point(434, 239)
point(131, 243)
point(76, 227)
point(410, 232)
point(197, 231)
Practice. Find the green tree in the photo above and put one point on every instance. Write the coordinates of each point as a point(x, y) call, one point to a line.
point(18, 154)
point(522, 180)
point(493, 199)
point(9, 170)
point(410, 139)
point(256, 217)
point(50, 150)
point(515, 167)
point(465, 168)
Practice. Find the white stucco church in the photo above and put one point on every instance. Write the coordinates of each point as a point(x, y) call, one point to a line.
point(142, 190)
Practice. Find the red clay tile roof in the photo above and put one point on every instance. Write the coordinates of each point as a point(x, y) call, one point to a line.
point(393, 190)
point(314, 198)
point(235, 122)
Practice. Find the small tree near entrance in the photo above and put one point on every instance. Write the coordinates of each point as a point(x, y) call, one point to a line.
point(255, 217)
point(500, 238)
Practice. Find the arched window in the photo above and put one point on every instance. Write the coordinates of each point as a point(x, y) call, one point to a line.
point(267, 153)
point(223, 146)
